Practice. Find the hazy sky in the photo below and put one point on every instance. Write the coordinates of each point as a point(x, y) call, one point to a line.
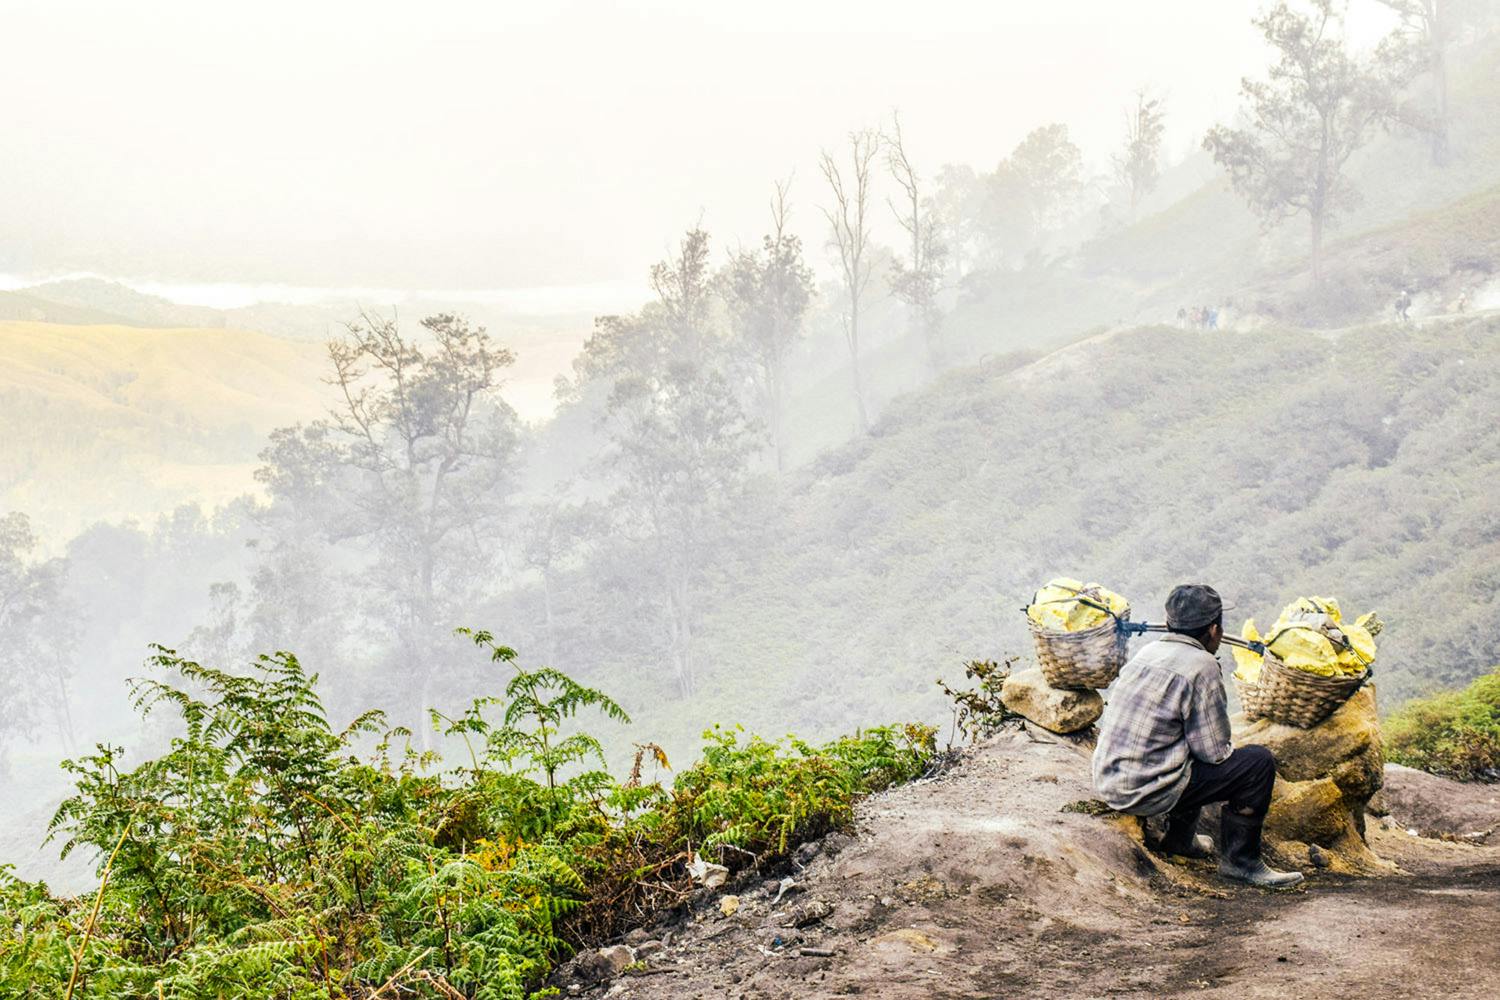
point(499, 144)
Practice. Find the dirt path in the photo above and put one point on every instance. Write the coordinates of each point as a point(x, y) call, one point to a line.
point(980, 884)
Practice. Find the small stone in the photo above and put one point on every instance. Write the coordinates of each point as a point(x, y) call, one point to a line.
point(1317, 856)
point(636, 935)
point(809, 913)
point(1028, 694)
point(648, 948)
point(805, 853)
point(606, 963)
point(836, 842)
point(729, 905)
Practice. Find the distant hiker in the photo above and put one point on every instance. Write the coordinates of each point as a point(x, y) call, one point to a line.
point(1403, 305)
point(1164, 745)
point(1182, 317)
point(1213, 317)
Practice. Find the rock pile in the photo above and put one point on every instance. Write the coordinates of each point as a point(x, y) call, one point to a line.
point(1028, 694)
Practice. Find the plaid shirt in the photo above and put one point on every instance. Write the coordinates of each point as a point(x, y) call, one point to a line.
point(1167, 707)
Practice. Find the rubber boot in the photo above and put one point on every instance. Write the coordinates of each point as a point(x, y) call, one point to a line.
point(1239, 854)
point(1182, 837)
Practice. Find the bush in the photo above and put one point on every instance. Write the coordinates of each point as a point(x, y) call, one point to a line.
point(1455, 734)
point(758, 797)
point(262, 856)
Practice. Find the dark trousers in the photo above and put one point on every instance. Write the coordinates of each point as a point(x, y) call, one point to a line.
point(1242, 782)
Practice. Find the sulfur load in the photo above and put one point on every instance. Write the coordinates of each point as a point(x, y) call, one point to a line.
point(1311, 635)
point(1066, 605)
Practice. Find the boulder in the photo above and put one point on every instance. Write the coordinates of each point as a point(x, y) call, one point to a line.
point(1027, 693)
point(1442, 807)
point(1311, 812)
point(1345, 746)
point(1326, 777)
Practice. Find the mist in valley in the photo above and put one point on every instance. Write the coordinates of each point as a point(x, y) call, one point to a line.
point(762, 386)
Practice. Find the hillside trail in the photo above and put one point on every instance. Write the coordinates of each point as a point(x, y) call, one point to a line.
point(991, 880)
point(1076, 357)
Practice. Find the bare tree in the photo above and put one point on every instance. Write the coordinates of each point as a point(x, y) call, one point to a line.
point(768, 293)
point(1318, 106)
point(915, 281)
point(849, 218)
point(685, 293)
point(1138, 163)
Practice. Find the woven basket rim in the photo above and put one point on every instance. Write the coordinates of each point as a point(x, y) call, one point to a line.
point(1311, 680)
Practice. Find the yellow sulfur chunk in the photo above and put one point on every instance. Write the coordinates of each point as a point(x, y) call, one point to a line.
point(1246, 661)
point(1311, 636)
point(1068, 605)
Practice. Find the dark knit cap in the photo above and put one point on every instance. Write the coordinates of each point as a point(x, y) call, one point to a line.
point(1192, 606)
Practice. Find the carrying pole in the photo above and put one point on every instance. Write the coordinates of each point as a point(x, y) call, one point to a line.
point(1140, 628)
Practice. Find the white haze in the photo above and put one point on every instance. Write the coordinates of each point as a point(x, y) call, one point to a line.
point(487, 145)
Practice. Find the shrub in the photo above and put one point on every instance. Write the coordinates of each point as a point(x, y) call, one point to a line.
point(978, 712)
point(1455, 734)
point(262, 856)
point(761, 798)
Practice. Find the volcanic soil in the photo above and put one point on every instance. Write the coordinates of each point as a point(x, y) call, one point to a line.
point(996, 879)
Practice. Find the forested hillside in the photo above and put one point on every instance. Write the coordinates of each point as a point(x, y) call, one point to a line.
point(1270, 464)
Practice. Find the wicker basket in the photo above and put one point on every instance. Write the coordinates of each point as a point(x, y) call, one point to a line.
point(1295, 697)
point(1091, 658)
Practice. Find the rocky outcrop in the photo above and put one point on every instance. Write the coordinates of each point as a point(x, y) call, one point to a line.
point(1432, 806)
point(1326, 776)
point(1028, 694)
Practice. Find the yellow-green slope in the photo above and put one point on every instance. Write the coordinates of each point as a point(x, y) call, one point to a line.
point(110, 421)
